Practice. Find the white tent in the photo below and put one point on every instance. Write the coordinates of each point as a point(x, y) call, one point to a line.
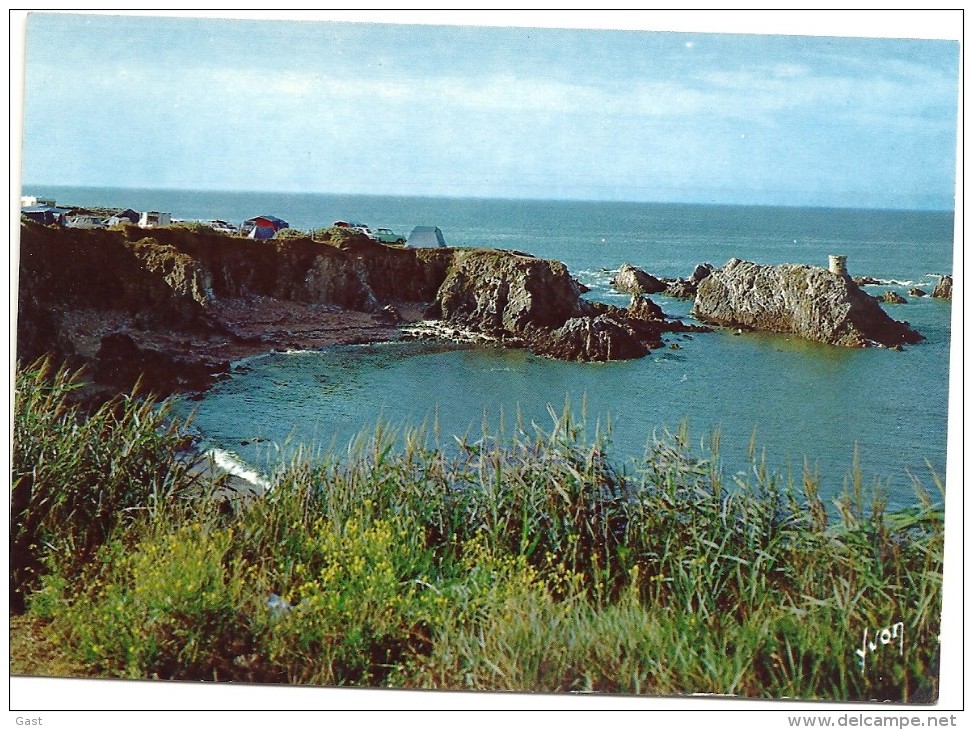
point(426, 237)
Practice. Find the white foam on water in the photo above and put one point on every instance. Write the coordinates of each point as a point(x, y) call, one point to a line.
point(233, 464)
point(438, 329)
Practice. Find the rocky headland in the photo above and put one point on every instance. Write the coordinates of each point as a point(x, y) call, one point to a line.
point(175, 306)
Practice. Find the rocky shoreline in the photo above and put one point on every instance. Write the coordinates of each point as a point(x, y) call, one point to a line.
point(172, 308)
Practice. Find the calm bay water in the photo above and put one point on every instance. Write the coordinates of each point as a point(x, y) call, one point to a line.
point(803, 401)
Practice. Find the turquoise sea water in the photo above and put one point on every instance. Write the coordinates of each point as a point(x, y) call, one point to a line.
point(803, 400)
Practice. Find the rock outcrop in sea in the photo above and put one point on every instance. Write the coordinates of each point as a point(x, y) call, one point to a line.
point(807, 301)
point(891, 297)
point(520, 299)
point(943, 288)
point(632, 280)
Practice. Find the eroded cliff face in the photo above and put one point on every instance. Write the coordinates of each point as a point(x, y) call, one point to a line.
point(806, 301)
point(178, 305)
point(507, 293)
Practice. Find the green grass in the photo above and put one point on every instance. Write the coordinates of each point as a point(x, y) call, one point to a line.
point(77, 478)
point(525, 563)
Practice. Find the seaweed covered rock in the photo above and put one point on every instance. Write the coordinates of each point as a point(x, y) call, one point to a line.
point(601, 337)
point(806, 301)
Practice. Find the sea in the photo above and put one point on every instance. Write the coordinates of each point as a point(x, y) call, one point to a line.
point(799, 403)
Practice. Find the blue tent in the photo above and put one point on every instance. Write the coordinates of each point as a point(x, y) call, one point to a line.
point(45, 214)
point(426, 237)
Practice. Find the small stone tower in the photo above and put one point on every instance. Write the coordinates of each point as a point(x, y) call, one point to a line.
point(838, 265)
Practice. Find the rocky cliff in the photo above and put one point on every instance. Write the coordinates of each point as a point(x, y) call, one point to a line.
point(179, 305)
point(806, 301)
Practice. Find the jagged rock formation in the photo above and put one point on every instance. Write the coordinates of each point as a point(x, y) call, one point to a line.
point(680, 289)
point(503, 293)
point(605, 336)
point(701, 272)
point(179, 305)
point(686, 288)
point(644, 309)
point(891, 297)
point(521, 299)
point(943, 288)
point(807, 301)
point(631, 280)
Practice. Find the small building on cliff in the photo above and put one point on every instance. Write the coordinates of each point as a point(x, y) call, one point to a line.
point(30, 201)
point(426, 237)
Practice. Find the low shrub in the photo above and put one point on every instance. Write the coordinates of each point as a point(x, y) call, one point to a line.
point(292, 233)
point(175, 604)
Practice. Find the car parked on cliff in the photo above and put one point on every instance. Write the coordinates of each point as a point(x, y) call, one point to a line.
point(354, 226)
point(84, 221)
point(386, 235)
point(221, 226)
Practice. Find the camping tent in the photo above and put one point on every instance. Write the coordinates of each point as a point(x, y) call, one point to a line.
point(46, 214)
point(262, 226)
point(126, 216)
point(426, 237)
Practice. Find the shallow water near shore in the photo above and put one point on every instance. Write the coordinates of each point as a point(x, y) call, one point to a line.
point(800, 399)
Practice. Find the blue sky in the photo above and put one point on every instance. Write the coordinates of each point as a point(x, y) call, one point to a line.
point(271, 104)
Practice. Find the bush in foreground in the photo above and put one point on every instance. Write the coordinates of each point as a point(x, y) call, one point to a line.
point(78, 477)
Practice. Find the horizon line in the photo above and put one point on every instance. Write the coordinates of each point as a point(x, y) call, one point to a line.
point(432, 196)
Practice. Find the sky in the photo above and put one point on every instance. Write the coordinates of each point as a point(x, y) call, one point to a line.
point(474, 111)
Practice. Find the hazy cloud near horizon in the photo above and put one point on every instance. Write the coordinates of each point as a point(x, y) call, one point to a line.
point(425, 110)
